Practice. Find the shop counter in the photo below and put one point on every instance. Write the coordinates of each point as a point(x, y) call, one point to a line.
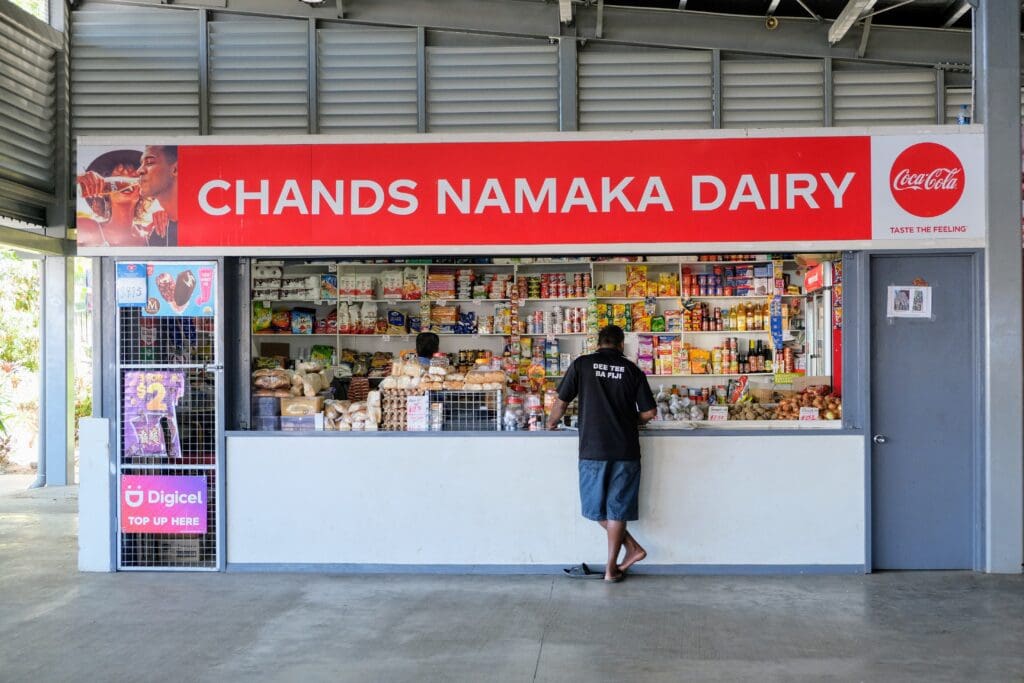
point(508, 502)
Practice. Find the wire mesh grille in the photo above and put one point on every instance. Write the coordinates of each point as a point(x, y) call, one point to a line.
point(165, 341)
point(168, 441)
point(168, 417)
point(465, 411)
point(162, 550)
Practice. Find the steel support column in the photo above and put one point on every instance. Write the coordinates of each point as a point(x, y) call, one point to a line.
point(57, 414)
point(568, 113)
point(997, 80)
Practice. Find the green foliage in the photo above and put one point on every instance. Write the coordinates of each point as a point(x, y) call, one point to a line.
point(19, 313)
point(83, 400)
point(38, 8)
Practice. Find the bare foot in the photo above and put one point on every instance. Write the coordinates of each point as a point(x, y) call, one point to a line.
point(633, 555)
point(614, 578)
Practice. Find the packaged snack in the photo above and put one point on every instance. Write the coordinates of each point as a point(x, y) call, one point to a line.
point(382, 326)
point(412, 283)
point(266, 272)
point(415, 324)
point(391, 284)
point(368, 318)
point(466, 323)
point(321, 353)
point(673, 321)
point(328, 325)
point(344, 319)
point(396, 323)
point(364, 286)
point(346, 285)
point(668, 284)
point(303, 320)
point(281, 321)
point(636, 281)
point(646, 364)
point(645, 346)
point(328, 286)
point(261, 316)
point(267, 362)
point(658, 323)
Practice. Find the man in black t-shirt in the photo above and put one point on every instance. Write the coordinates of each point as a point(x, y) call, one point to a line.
point(614, 399)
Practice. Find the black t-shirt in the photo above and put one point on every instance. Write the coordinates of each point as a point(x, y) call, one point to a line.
point(612, 393)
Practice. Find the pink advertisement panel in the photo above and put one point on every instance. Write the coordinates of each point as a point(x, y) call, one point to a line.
point(155, 504)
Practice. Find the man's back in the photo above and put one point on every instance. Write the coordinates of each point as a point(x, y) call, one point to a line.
point(612, 391)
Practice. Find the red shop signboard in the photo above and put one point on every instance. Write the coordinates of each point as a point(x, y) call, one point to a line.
point(517, 193)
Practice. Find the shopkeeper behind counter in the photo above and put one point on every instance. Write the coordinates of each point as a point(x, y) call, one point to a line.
point(427, 344)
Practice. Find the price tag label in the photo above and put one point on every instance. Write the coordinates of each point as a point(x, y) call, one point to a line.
point(385, 338)
point(718, 413)
point(416, 408)
point(521, 302)
point(550, 336)
point(810, 414)
point(130, 284)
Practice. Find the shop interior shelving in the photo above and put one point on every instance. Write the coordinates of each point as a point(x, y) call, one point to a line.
point(601, 273)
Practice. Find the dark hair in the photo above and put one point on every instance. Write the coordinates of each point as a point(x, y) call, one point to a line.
point(611, 335)
point(427, 344)
point(169, 152)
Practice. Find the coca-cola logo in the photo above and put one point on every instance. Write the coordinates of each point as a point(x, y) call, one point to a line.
point(927, 179)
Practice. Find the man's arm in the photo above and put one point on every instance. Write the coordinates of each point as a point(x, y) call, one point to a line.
point(647, 415)
point(557, 411)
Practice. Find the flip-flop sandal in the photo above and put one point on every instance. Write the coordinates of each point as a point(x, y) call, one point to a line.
point(582, 571)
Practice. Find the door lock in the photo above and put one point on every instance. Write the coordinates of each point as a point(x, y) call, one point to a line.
point(879, 439)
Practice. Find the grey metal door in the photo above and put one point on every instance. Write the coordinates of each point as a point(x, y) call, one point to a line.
point(924, 393)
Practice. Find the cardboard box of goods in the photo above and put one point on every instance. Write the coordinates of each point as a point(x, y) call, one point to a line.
point(302, 406)
point(801, 383)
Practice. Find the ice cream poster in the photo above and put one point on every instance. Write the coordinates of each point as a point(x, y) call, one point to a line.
point(181, 289)
point(150, 421)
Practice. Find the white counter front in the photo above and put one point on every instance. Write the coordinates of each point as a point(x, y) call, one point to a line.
point(507, 502)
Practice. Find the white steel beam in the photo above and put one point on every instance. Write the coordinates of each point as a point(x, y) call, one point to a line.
point(847, 18)
point(954, 13)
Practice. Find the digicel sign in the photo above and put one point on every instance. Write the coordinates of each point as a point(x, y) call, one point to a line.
point(518, 193)
point(561, 192)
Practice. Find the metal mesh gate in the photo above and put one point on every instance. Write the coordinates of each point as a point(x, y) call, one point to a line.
point(169, 399)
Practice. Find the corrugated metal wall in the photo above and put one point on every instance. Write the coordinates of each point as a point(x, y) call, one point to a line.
point(631, 88)
point(367, 80)
point(138, 70)
point(773, 93)
point(134, 71)
point(492, 88)
point(259, 76)
point(884, 97)
point(27, 123)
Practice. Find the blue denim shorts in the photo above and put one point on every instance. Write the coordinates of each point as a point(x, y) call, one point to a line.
point(610, 489)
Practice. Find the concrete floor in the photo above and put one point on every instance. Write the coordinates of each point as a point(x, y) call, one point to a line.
point(59, 625)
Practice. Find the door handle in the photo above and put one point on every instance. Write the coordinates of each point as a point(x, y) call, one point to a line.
point(879, 439)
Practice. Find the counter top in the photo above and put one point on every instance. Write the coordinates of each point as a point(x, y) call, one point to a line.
point(822, 428)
